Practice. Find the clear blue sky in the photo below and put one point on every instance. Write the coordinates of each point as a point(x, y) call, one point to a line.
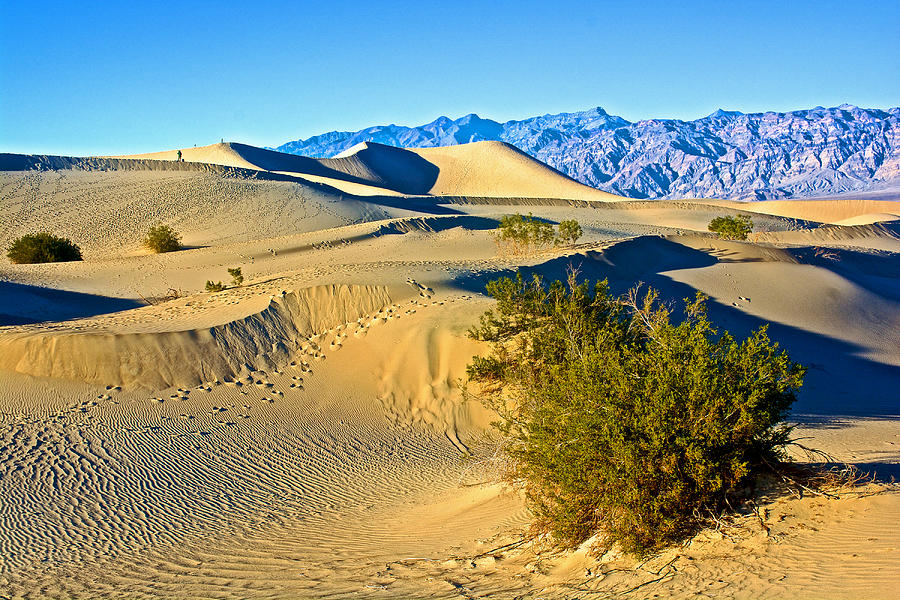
point(115, 77)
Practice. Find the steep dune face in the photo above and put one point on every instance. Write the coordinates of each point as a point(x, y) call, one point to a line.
point(386, 166)
point(157, 359)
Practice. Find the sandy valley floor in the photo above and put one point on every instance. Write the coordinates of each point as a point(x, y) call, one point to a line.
point(304, 435)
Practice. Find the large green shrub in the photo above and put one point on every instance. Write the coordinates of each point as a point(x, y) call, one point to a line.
point(162, 238)
point(621, 422)
point(520, 234)
point(42, 248)
point(732, 228)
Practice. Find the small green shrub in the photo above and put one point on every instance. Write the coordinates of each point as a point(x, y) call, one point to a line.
point(214, 286)
point(619, 421)
point(522, 234)
point(42, 248)
point(569, 232)
point(237, 278)
point(732, 228)
point(162, 238)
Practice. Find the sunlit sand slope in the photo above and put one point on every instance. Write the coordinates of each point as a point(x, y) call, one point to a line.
point(838, 211)
point(498, 169)
point(106, 211)
point(491, 169)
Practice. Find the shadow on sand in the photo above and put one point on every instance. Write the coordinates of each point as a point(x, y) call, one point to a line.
point(22, 304)
point(839, 381)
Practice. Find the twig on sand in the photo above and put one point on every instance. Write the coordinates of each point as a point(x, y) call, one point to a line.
point(509, 546)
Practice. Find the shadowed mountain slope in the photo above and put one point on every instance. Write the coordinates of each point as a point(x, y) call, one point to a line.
point(728, 154)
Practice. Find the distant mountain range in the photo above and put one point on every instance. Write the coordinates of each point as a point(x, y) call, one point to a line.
point(816, 152)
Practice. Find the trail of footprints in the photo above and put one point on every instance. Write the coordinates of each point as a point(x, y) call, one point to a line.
point(312, 348)
point(189, 414)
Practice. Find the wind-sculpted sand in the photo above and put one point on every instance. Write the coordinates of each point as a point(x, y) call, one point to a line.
point(491, 169)
point(306, 435)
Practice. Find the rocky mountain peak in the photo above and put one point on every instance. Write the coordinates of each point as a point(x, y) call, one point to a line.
point(727, 154)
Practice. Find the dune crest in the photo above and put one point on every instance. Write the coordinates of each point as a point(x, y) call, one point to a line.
point(835, 212)
point(488, 169)
point(160, 359)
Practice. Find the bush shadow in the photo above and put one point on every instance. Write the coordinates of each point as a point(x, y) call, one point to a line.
point(22, 304)
point(839, 381)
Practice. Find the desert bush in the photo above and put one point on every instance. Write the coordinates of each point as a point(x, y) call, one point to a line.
point(214, 286)
point(732, 228)
point(619, 421)
point(237, 278)
point(569, 232)
point(162, 238)
point(522, 234)
point(42, 248)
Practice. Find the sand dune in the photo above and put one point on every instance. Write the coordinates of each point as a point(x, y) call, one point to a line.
point(495, 169)
point(106, 211)
point(880, 235)
point(835, 212)
point(868, 219)
point(305, 434)
point(250, 157)
point(135, 356)
point(490, 169)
